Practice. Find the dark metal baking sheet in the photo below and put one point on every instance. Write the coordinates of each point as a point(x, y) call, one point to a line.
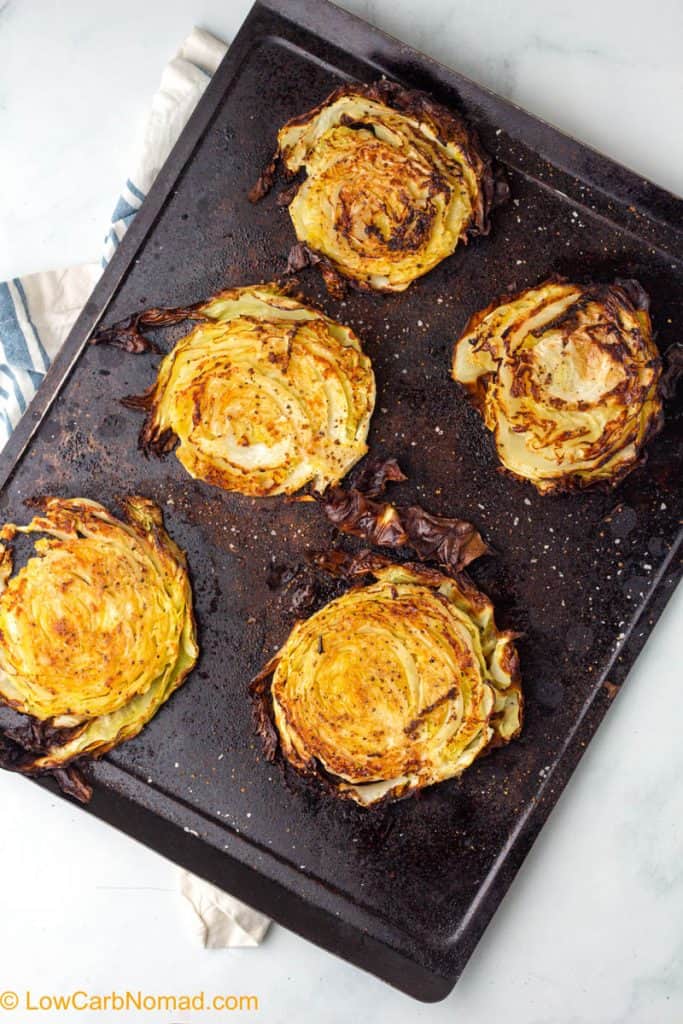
point(404, 893)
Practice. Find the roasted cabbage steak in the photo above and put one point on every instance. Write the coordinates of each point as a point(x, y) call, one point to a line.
point(392, 182)
point(96, 630)
point(391, 687)
point(567, 377)
point(263, 396)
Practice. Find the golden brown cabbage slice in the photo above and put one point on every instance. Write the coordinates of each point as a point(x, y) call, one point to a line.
point(393, 182)
point(567, 378)
point(265, 395)
point(393, 686)
point(96, 630)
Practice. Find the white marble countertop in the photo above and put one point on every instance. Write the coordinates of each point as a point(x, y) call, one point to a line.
point(591, 932)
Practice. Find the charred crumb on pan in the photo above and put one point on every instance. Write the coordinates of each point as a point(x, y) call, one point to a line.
point(334, 281)
point(280, 574)
point(300, 257)
point(265, 181)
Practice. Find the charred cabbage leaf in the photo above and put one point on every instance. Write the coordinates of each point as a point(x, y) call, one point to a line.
point(355, 510)
point(96, 630)
point(567, 377)
point(391, 687)
point(263, 396)
point(393, 181)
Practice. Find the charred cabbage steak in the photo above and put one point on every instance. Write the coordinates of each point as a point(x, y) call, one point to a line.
point(392, 182)
point(264, 395)
point(567, 377)
point(96, 632)
point(391, 687)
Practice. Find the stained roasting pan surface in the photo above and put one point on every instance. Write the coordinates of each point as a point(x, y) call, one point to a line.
point(407, 891)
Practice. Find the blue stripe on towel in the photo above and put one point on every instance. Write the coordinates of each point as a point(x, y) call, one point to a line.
point(135, 190)
point(123, 209)
point(41, 348)
point(21, 401)
point(11, 334)
point(4, 418)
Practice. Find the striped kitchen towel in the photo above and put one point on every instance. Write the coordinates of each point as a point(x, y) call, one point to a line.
point(36, 314)
point(37, 311)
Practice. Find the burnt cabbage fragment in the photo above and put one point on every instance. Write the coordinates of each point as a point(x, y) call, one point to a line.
point(355, 510)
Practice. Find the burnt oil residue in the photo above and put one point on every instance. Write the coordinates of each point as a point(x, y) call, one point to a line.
point(569, 571)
